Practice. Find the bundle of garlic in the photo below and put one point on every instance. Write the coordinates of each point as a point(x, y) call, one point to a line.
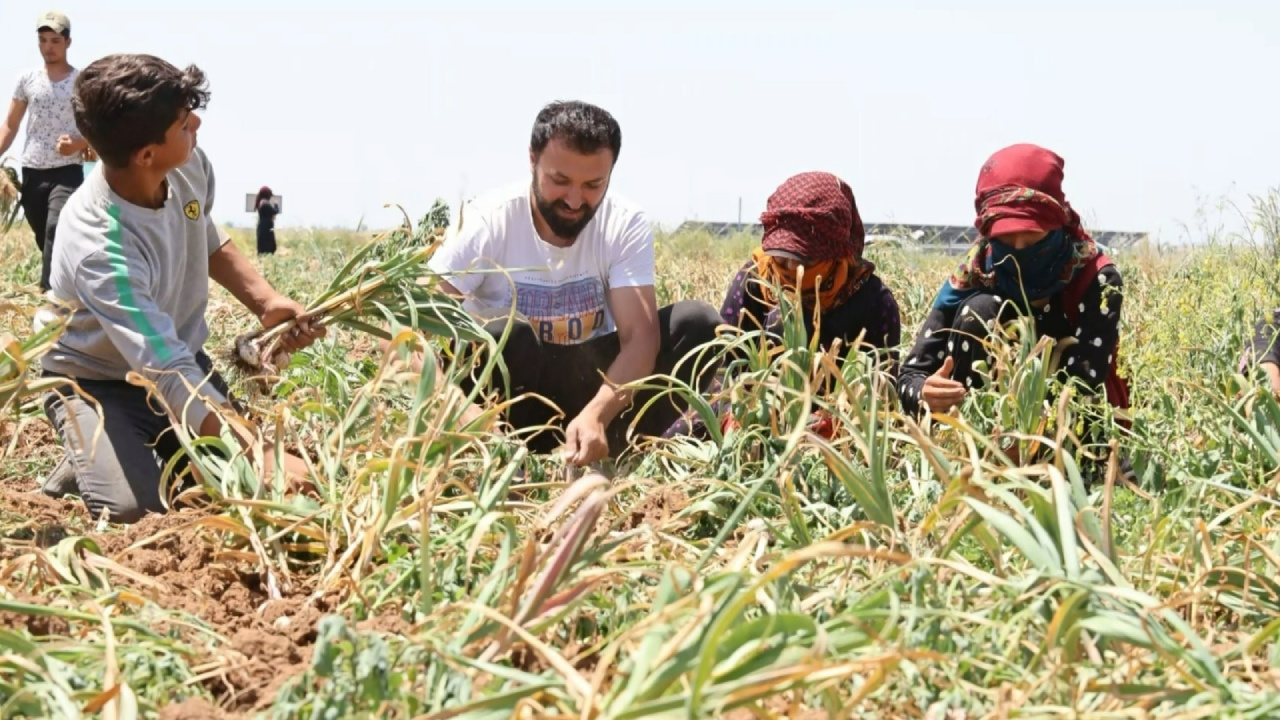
point(367, 295)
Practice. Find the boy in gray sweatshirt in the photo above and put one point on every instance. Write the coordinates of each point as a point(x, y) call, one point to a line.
point(136, 250)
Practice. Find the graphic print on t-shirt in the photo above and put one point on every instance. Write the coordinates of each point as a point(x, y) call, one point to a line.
point(564, 314)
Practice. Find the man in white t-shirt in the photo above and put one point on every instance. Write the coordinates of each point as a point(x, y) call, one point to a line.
point(53, 150)
point(578, 265)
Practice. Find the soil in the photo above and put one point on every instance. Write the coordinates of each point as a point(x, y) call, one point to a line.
point(27, 515)
point(183, 563)
point(37, 625)
point(264, 641)
point(657, 506)
point(260, 642)
point(36, 440)
point(268, 641)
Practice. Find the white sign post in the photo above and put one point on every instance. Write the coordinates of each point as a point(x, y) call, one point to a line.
point(276, 200)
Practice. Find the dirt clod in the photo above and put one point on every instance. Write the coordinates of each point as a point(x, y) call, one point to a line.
point(656, 508)
point(192, 709)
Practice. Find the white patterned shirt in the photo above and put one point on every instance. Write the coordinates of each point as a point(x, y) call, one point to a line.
point(49, 116)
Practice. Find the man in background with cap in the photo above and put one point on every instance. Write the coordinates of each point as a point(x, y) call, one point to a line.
point(51, 158)
point(53, 152)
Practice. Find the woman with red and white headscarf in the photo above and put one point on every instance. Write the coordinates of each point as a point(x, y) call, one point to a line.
point(1032, 256)
point(814, 235)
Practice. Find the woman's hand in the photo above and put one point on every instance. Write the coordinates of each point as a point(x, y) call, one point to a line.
point(940, 392)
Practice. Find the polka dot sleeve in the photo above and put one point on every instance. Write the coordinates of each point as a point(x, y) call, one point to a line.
point(741, 307)
point(1097, 330)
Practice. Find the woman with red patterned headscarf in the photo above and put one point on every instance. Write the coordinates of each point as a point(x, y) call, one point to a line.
point(813, 238)
point(1032, 256)
point(812, 250)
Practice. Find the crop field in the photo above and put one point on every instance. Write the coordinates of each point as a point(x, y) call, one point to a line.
point(899, 569)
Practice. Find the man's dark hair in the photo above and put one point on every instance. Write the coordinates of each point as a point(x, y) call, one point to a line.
point(124, 103)
point(64, 33)
point(585, 128)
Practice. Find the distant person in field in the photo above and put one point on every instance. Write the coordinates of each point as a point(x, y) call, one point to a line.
point(1265, 350)
point(53, 150)
point(137, 248)
point(588, 307)
point(267, 212)
point(1032, 257)
point(813, 238)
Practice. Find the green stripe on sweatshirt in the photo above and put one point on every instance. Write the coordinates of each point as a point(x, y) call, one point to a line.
point(115, 255)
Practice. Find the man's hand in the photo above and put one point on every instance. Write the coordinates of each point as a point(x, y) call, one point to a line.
point(69, 146)
point(585, 440)
point(280, 309)
point(940, 392)
point(233, 271)
point(635, 314)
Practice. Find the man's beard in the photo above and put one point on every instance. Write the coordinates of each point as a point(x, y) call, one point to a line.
point(550, 212)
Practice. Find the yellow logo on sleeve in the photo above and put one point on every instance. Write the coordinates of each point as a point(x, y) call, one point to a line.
point(192, 210)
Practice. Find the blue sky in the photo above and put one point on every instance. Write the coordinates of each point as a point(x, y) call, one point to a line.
point(1161, 109)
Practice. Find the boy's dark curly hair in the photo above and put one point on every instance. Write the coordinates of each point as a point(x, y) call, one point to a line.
point(126, 102)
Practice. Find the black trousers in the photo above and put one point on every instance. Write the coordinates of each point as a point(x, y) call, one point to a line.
point(44, 192)
point(571, 375)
